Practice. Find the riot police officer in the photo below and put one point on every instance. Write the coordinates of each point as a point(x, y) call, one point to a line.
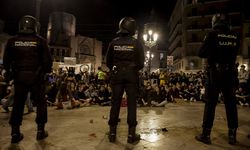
point(27, 58)
point(220, 48)
point(125, 57)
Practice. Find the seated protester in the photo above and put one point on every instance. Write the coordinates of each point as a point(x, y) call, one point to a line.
point(149, 93)
point(175, 92)
point(141, 96)
point(8, 100)
point(104, 96)
point(81, 96)
point(242, 97)
point(169, 95)
point(197, 92)
point(85, 77)
point(189, 93)
point(92, 93)
point(159, 99)
point(51, 93)
point(202, 93)
point(29, 103)
point(181, 88)
point(65, 95)
point(73, 90)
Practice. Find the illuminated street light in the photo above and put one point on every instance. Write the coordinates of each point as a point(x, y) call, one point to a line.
point(150, 40)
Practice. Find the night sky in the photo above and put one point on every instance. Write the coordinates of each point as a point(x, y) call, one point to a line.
point(94, 18)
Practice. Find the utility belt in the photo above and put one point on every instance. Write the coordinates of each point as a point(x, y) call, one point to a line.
point(116, 69)
point(122, 68)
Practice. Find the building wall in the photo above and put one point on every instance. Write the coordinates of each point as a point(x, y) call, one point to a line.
point(3, 41)
point(188, 29)
point(61, 27)
point(86, 50)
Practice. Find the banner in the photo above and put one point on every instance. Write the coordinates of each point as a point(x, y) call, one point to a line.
point(69, 61)
point(170, 60)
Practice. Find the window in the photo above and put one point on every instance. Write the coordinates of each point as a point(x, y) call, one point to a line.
point(52, 51)
point(195, 25)
point(161, 56)
point(194, 11)
point(63, 52)
point(194, 38)
point(57, 52)
point(84, 49)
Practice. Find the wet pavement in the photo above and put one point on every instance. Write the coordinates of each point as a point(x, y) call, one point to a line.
point(162, 128)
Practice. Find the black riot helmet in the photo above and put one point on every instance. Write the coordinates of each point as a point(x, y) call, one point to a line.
point(127, 25)
point(28, 24)
point(220, 21)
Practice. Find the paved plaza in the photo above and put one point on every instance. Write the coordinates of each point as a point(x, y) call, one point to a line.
point(162, 128)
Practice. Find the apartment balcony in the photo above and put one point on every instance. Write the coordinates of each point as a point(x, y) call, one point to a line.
point(175, 32)
point(195, 30)
point(194, 16)
point(175, 42)
point(193, 43)
point(215, 1)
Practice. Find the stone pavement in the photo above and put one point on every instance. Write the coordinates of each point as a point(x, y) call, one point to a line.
point(166, 128)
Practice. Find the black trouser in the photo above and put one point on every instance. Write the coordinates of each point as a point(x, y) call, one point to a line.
point(124, 80)
point(222, 80)
point(21, 92)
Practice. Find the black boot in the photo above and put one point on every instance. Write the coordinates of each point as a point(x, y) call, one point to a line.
point(132, 136)
point(112, 134)
point(15, 134)
point(232, 136)
point(205, 136)
point(41, 133)
point(248, 136)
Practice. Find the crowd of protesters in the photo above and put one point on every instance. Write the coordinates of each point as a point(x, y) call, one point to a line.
point(65, 89)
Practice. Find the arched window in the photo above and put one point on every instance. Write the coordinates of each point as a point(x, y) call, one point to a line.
point(84, 49)
point(63, 52)
point(52, 51)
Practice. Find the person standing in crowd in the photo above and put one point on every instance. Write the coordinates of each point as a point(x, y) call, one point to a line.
point(28, 59)
point(101, 76)
point(220, 47)
point(125, 57)
point(243, 76)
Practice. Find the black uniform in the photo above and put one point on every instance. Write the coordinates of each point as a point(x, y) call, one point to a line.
point(125, 58)
point(220, 48)
point(27, 57)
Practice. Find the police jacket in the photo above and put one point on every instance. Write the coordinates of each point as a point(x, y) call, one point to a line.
point(125, 51)
point(220, 47)
point(27, 56)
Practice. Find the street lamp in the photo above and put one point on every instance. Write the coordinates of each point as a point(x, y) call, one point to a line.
point(150, 40)
point(38, 9)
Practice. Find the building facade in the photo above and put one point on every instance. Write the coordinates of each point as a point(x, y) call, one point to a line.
point(189, 23)
point(68, 49)
point(88, 51)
